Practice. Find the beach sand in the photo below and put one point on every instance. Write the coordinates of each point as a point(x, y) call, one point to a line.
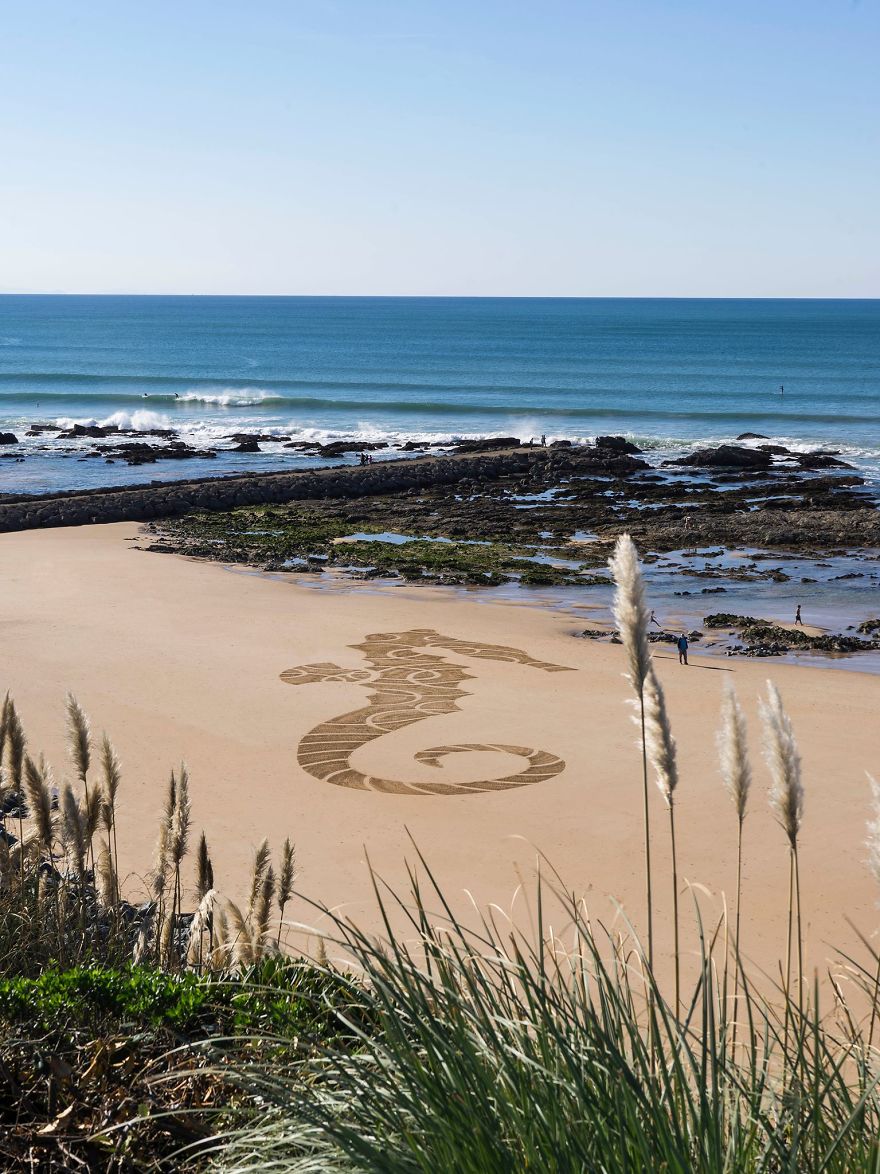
point(181, 660)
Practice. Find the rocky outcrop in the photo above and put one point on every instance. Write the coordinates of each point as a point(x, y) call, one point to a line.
point(96, 431)
point(336, 448)
point(820, 460)
point(487, 445)
point(764, 638)
point(617, 444)
point(734, 456)
point(139, 453)
point(8, 438)
point(145, 502)
point(725, 456)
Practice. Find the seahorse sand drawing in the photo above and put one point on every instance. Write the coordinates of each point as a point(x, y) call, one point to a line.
point(409, 685)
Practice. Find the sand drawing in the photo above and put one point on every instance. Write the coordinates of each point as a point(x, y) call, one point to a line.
point(408, 684)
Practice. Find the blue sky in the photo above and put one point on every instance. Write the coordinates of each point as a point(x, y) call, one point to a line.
point(551, 147)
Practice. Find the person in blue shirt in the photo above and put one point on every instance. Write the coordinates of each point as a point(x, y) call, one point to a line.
point(682, 649)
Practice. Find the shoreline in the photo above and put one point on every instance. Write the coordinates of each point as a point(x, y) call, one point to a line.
point(177, 660)
point(517, 518)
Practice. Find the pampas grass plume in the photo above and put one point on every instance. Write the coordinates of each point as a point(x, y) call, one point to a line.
point(263, 908)
point(16, 741)
point(74, 828)
point(873, 841)
point(631, 612)
point(262, 859)
point(79, 736)
point(659, 741)
point(204, 869)
point(180, 819)
point(202, 921)
point(39, 796)
point(112, 776)
point(733, 754)
point(287, 875)
point(163, 844)
point(784, 762)
point(106, 877)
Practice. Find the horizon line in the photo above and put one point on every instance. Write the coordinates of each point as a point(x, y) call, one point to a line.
point(454, 297)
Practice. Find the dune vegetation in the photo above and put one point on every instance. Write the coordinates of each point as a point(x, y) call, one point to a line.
point(176, 1028)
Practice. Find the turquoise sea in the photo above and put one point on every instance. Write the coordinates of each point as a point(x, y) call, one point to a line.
point(671, 374)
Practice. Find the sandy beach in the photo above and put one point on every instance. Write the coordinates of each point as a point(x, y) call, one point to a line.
point(183, 660)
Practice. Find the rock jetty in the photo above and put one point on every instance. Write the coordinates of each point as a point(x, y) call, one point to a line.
point(171, 499)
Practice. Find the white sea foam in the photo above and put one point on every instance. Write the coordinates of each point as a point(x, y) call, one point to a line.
point(141, 420)
point(241, 397)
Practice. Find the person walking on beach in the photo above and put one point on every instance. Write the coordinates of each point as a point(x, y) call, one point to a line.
point(653, 619)
point(797, 616)
point(543, 440)
point(682, 649)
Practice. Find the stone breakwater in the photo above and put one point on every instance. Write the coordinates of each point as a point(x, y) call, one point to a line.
point(145, 502)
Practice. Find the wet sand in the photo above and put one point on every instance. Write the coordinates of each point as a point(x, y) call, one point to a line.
point(179, 659)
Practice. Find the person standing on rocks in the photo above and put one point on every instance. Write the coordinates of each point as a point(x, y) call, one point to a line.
point(682, 649)
point(797, 616)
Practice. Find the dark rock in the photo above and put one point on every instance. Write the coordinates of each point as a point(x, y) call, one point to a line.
point(617, 444)
point(820, 460)
point(95, 431)
point(662, 637)
point(338, 448)
point(752, 436)
point(419, 445)
point(139, 453)
point(158, 433)
point(487, 444)
point(247, 444)
point(726, 619)
point(8, 438)
point(725, 456)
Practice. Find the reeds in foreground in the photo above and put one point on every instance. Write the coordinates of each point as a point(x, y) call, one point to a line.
point(286, 877)
point(736, 773)
point(662, 754)
point(632, 616)
point(873, 846)
point(112, 777)
point(787, 802)
point(474, 1048)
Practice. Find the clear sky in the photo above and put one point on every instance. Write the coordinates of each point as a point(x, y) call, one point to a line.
point(523, 147)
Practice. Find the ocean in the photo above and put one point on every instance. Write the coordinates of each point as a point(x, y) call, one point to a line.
point(669, 374)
